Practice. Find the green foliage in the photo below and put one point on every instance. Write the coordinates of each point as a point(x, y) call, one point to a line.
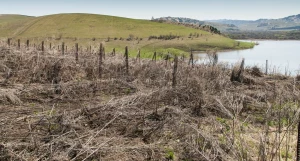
point(170, 155)
point(285, 154)
point(224, 123)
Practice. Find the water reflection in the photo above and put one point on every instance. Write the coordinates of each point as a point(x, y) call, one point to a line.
point(282, 56)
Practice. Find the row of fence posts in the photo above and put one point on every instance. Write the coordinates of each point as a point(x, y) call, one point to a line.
point(102, 51)
point(102, 56)
point(65, 48)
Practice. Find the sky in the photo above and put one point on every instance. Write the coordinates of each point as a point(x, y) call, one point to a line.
point(142, 9)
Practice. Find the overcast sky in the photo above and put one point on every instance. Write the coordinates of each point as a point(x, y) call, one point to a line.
point(142, 9)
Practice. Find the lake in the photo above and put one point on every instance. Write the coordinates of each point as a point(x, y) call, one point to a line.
point(283, 56)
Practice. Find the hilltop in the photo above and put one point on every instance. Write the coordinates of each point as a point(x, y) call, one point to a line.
point(117, 32)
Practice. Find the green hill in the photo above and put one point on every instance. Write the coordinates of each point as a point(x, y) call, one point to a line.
point(84, 28)
point(10, 24)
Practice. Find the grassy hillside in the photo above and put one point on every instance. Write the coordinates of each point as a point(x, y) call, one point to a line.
point(83, 28)
point(10, 24)
point(99, 26)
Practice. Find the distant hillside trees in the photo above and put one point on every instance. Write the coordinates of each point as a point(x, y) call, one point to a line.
point(277, 35)
point(207, 28)
point(163, 37)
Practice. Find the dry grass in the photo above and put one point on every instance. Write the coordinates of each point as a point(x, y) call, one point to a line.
point(54, 108)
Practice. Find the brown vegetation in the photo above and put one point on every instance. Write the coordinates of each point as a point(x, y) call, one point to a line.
point(54, 107)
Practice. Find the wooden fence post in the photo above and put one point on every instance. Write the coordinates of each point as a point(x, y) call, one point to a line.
point(167, 59)
point(90, 49)
point(126, 60)
point(114, 52)
point(19, 45)
point(175, 71)
point(103, 50)
point(76, 52)
point(27, 44)
point(8, 42)
point(138, 56)
point(266, 67)
point(154, 56)
point(100, 60)
point(63, 48)
point(42, 46)
point(191, 61)
point(238, 75)
point(50, 46)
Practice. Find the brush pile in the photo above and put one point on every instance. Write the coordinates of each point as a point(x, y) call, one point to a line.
point(55, 108)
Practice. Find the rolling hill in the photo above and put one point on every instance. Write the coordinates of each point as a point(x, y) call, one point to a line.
point(9, 24)
point(99, 26)
point(89, 29)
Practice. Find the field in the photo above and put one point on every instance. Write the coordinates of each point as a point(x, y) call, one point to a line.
point(116, 32)
point(56, 108)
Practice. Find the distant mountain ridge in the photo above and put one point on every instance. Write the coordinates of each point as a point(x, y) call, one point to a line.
point(227, 25)
point(219, 26)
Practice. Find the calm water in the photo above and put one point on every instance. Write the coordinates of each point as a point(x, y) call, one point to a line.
point(282, 56)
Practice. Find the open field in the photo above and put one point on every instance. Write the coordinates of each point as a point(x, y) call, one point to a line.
point(56, 108)
point(116, 32)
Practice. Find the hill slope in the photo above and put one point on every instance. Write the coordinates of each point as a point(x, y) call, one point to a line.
point(9, 24)
point(84, 28)
point(100, 26)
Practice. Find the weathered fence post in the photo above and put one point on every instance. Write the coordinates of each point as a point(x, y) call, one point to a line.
point(126, 60)
point(238, 75)
point(191, 61)
point(63, 48)
point(154, 56)
point(42, 46)
point(138, 56)
point(27, 44)
point(266, 67)
point(19, 45)
point(76, 52)
point(182, 57)
point(58, 47)
point(8, 42)
point(167, 59)
point(114, 52)
point(100, 60)
point(175, 71)
point(103, 50)
point(90, 49)
point(66, 49)
point(50, 46)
